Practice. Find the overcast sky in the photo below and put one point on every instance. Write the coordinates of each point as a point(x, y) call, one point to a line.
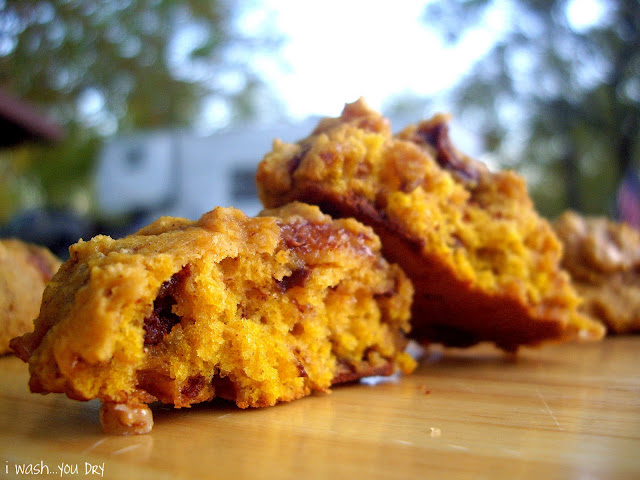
point(337, 51)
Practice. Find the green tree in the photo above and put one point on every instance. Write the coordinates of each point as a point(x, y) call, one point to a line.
point(558, 94)
point(101, 67)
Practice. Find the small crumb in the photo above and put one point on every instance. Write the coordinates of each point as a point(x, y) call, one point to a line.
point(126, 419)
point(424, 389)
point(435, 432)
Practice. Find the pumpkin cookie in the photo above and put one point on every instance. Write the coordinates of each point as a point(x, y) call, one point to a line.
point(484, 264)
point(254, 310)
point(24, 271)
point(603, 258)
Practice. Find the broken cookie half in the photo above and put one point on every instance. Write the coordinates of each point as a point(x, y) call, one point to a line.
point(484, 264)
point(253, 310)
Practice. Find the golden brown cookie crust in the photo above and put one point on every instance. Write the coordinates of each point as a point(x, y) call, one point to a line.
point(485, 266)
point(24, 270)
point(254, 310)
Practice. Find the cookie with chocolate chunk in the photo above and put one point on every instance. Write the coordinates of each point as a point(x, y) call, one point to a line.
point(603, 258)
point(253, 310)
point(485, 265)
point(24, 270)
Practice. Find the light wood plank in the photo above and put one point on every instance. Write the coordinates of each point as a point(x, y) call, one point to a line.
point(566, 411)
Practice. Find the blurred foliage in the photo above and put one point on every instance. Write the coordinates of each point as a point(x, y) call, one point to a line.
point(558, 94)
point(101, 67)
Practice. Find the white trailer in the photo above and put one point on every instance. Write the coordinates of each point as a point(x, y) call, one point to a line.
point(180, 173)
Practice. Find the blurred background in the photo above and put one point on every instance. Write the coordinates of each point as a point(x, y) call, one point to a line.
point(114, 112)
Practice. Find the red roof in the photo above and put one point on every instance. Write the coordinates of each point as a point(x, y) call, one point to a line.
point(20, 123)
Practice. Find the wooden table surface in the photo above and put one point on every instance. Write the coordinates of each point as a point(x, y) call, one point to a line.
point(566, 411)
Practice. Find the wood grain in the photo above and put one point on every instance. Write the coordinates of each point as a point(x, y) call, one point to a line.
point(566, 411)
